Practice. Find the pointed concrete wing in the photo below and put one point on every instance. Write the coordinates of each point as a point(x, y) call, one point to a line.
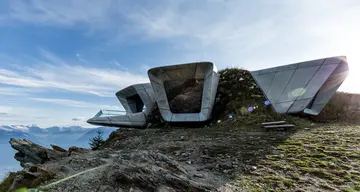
point(134, 98)
point(303, 87)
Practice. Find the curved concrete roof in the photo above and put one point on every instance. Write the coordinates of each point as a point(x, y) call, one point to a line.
point(201, 70)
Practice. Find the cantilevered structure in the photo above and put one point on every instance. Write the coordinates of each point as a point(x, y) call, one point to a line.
point(138, 101)
point(303, 87)
point(177, 83)
point(186, 92)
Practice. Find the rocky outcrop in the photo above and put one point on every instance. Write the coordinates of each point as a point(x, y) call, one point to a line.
point(57, 148)
point(31, 176)
point(76, 150)
point(29, 152)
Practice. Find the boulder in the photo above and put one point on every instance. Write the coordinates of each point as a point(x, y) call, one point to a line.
point(29, 152)
point(57, 148)
point(74, 149)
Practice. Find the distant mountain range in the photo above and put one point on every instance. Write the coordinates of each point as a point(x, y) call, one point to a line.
point(64, 137)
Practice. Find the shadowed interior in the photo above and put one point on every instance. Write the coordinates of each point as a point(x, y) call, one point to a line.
point(184, 95)
point(135, 103)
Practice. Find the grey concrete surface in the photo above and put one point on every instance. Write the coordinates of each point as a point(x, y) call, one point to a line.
point(138, 101)
point(201, 70)
point(303, 87)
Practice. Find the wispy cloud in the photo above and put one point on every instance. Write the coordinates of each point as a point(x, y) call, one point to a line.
point(74, 103)
point(54, 73)
point(65, 12)
point(17, 91)
point(79, 119)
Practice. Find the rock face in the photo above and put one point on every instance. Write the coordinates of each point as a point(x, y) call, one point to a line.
point(29, 152)
point(109, 170)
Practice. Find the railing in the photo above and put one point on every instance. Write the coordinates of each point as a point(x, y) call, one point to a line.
point(105, 113)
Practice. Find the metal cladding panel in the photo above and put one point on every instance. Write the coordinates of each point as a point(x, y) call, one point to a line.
point(298, 83)
point(265, 80)
point(201, 70)
point(279, 83)
point(330, 86)
point(334, 60)
point(306, 87)
point(255, 73)
point(286, 67)
point(317, 81)
point(312, 63)
point(299, 105)
point(283, 107)
point(269, 70)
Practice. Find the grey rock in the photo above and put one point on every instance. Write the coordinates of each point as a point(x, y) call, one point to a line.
point(29, 152)
point(198, 175)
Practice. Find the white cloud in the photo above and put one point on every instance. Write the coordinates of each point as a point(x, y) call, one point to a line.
point(79, 119)
point(43, 117)
point(17, 91)
point(74, 103)
point(54, 73)
point(65, 12)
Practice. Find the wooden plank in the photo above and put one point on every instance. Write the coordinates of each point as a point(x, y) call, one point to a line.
point(273, 123)
point(280, 126)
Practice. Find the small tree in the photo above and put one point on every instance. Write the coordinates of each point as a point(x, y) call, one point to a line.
point(96, 142)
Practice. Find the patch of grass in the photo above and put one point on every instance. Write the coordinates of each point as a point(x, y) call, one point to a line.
point(295, 176)
point(248, 184)
point(321, 173)
point(327, 186)
point(278, 180)
point(350, 189)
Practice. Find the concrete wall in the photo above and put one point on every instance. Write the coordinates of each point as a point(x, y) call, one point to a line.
point(302, 87)
point(201, 70)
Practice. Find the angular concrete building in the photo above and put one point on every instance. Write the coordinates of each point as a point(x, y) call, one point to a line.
point(303, 87)
point(138, 101)
point(186, 92)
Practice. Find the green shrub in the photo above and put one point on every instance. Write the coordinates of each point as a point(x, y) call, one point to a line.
point(96, 142)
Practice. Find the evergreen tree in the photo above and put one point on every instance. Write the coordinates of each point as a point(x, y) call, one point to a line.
point(96, 142)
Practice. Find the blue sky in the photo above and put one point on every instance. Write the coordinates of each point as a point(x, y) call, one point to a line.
point(62, 61)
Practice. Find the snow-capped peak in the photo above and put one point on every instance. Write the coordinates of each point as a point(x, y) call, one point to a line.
point(21, 128)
